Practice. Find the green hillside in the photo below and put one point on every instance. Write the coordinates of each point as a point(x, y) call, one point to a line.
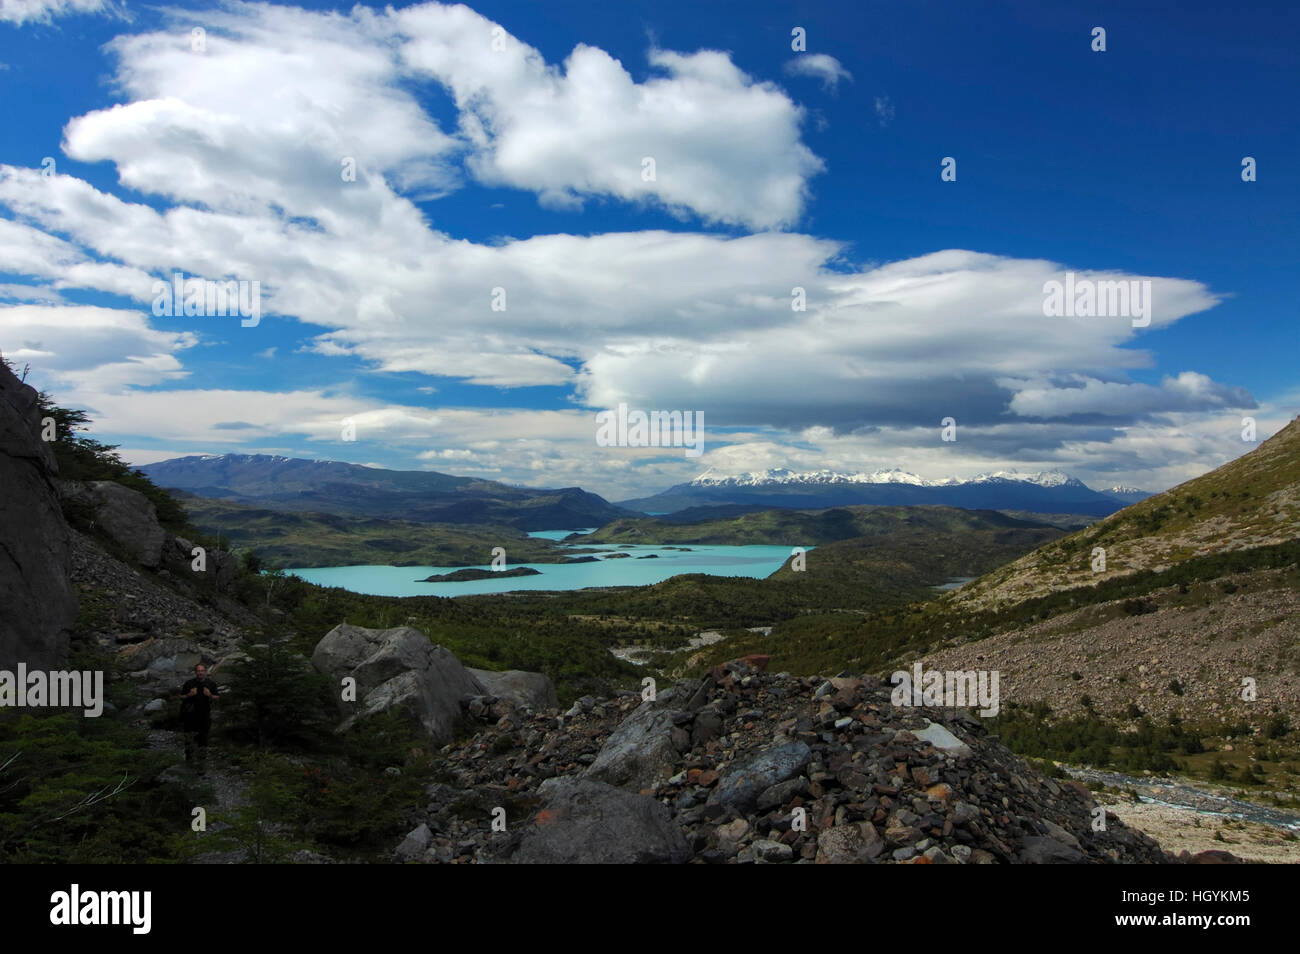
point(809, 527)
point(303, 539)
point(1250, 502)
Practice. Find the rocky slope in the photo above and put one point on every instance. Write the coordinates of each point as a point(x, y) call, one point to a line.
point(746, 766)
point(1182, 653)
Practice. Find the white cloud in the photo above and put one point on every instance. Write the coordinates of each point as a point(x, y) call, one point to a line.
point(19, 12)
point(91, 350)
point(725, 146)
point(309, 89)
point(656, 319)
point(1189, 391)
point(820, 66)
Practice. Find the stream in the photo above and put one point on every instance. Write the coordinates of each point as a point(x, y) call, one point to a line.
point(1177, 794)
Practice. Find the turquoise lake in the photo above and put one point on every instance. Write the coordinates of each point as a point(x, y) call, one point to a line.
point(751, 561)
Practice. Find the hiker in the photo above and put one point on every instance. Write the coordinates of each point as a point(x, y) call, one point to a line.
point(196, 713)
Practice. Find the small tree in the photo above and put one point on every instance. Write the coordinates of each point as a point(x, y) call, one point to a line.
point(277, 699)
point(256, 828)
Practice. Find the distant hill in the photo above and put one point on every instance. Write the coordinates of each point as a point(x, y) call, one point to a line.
point(305, 539)
point(1252, 501)
point(333, 487)
point(1050, 492)
point(809, 527)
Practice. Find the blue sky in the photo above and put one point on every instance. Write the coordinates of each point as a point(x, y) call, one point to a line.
point(520, 167)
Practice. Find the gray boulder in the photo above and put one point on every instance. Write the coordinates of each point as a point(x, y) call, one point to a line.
point(415, 844)
point(584, 821)
point(125, 515)
point(36, 593)
point(528, 690)
point(741, 782)
point(642, 751)
point(1037, 850)
point(397, 668)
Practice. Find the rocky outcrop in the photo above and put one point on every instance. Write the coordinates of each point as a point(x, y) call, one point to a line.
point(168, 660)
point(36, 594)
point(397, 668)
point(526, 690)
point(219, 566)
point(125, 515)
point(752, 767)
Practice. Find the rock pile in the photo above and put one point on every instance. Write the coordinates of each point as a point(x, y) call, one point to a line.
point(749, 767)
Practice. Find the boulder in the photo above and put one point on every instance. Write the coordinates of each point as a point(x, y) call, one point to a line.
point(528, 690)
point(743, 781)
point(1038, 850)
point(585, 821)
point(415, 844)
point(848, 844)
point(397, 668)
point(169, 659)
point(126, 515)
point(641, 752)
point(943, 740)
point(36, 593)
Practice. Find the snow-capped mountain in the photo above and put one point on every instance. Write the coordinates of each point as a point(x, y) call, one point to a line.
point(1042, 492)
point(1127, 493)
point(781, 476)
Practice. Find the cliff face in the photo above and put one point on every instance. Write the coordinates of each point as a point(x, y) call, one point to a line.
point(38, 607)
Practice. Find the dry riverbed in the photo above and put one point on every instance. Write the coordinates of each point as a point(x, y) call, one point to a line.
point(1184, 829)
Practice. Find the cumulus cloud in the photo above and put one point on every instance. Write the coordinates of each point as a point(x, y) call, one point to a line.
point(312, 89)
point(902, 343)
point(19, 12)
point(821, 66)
point(90, 349)
point(724, 146)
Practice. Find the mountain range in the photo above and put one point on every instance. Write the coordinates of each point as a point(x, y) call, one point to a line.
point(1043, 492)
point(287, 483)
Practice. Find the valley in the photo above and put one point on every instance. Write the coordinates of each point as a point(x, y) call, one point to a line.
point(1164, 684)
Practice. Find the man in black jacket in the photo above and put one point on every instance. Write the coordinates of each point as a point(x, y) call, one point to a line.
point(196, 714)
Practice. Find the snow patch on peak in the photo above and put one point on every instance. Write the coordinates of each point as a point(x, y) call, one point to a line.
point(893, 475)
point(781, 475)
point(1047, 478)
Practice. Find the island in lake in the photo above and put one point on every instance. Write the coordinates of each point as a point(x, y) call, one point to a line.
point(474, 573)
